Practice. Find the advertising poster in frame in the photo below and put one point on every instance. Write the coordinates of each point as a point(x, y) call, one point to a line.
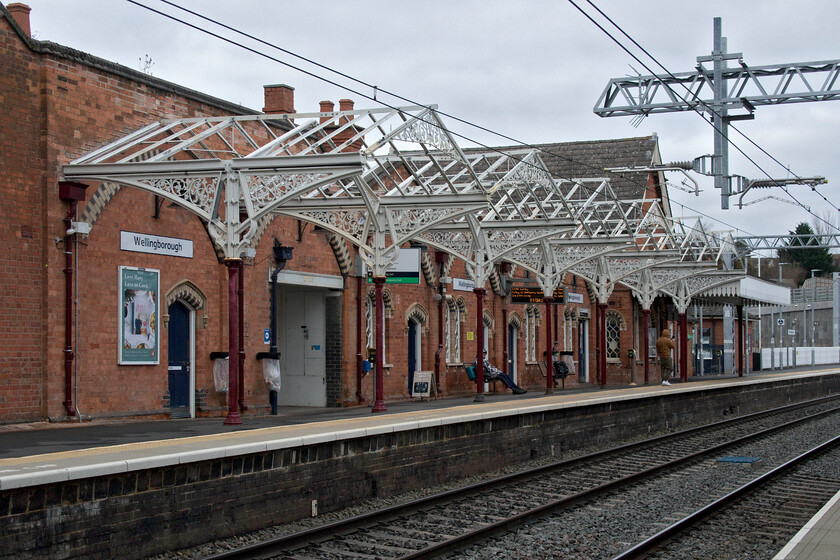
point(139, 296)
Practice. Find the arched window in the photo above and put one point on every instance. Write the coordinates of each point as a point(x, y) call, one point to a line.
point(614, 325)
point(532, 314)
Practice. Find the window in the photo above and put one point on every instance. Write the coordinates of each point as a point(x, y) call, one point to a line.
point(453, 331)
point(614, 324)
point(531, 316)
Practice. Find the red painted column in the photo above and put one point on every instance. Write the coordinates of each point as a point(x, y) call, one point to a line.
point(597, 327)
point(549, 371)
point(505, 354)
point(379, 403)
point(602, 324)
point(479, 363)
point(233, 343)
point(646, 342)
point(683, 346)
point(359, 355)
point(740, 340)
point(241, 298)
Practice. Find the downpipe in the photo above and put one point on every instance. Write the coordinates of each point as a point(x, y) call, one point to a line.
point(69, 355)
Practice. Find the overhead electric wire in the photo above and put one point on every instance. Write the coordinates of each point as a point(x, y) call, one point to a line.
point(373, 87)
point(693, 107)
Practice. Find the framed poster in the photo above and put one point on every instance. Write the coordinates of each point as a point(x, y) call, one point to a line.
point(139, 295)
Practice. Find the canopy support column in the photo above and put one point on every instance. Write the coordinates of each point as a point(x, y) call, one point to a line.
point(740, 339)
point(233, 343)
point(241, 334)
point(549, 366)
point(683, 345)
point(646, 342)
point(379, 403)
point(479, 362)
point(602, 341)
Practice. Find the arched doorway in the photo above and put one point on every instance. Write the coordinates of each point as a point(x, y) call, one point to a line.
point(180, 345)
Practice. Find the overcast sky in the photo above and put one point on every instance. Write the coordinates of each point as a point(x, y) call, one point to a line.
point(532, 70)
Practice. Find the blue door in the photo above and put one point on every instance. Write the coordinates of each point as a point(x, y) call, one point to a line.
point(412, 353)
point(179, 360)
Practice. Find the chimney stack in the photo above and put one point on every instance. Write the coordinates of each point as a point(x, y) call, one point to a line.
point(279, 98)
point(20, 12)
point(326, 107)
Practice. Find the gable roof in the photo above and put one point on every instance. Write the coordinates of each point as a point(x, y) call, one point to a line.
point(591, 158)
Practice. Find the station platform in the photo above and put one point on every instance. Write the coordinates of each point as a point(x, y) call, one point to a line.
point(137, 488)
point(819, 539)
point(40, 453)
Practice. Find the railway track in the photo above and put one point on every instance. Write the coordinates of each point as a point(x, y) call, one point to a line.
point(772, 507)
point(452, 521)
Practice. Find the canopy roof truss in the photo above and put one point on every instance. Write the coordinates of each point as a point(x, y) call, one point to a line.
point(351, 172)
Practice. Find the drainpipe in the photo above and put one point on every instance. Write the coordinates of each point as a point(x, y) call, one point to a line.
point(360, 282)
point(71, 192)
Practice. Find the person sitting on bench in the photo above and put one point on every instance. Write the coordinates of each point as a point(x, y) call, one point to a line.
point(492, 374)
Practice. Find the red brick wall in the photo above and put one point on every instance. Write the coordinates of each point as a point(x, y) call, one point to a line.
point(22, 338)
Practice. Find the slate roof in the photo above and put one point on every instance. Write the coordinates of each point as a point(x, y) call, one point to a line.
point(589, 159)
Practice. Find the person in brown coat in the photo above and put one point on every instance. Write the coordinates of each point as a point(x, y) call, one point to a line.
point(664, 345)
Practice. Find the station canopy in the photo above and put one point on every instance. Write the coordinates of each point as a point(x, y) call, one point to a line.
point(383, 177)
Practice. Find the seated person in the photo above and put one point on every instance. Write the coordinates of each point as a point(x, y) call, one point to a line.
point(491, 374)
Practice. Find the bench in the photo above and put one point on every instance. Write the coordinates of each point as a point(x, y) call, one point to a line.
point(471, 374)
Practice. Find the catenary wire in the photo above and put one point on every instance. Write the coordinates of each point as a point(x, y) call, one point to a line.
point(369, 97)
point(694, 108)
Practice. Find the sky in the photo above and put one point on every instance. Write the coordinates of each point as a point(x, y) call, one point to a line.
point(530, 70)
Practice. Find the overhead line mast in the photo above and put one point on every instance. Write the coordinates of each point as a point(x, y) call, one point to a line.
point(719, 90)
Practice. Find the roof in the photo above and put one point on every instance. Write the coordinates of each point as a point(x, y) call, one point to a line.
point(591, 158)
point(67, 53)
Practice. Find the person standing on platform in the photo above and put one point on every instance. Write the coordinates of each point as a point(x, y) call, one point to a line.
point(664, 345)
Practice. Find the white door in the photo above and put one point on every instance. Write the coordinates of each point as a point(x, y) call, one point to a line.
point(303, 352)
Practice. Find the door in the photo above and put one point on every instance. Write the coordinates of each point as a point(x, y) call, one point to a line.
point(179, 360)
point(303, 352)
point(512, 358)
point(412, 353)
point(583, 351)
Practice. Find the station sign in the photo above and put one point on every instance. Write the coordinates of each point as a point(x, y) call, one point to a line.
point(463, 285)
point(156, 244)
point(529, 294)
point(405, 270)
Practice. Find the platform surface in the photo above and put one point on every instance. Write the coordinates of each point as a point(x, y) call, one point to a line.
point(819, 539)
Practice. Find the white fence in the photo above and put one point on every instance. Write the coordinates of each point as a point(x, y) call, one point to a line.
point(799, 356)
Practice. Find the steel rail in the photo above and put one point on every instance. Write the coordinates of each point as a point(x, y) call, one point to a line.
point(494, 529)
point(644, 548)
point(283, 544)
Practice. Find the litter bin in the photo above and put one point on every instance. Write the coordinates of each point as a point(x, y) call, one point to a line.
point(756, 361)
point(271, 373)
point(221, 366)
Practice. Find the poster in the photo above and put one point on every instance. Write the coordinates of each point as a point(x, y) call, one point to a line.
point(139, 292)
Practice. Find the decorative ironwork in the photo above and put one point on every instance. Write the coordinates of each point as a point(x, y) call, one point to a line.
point(351, 223)
point(198, 191)
point(268, 189)
point(421, 131)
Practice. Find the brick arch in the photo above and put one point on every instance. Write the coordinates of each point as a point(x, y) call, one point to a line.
point(190, 294)
point(419, 314)
point(386, 300)
point(515, 319)
point(618, 317)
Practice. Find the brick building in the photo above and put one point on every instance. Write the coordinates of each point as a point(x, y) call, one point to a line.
point(71, 311)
